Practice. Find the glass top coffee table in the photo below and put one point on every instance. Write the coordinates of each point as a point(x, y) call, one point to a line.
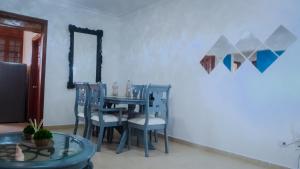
point(64, 151)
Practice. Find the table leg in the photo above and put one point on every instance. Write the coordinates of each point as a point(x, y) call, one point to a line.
point(90, 165)
point(151, 146)
point(123, 141)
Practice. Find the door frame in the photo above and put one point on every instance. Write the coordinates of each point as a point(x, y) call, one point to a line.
point(35, 25)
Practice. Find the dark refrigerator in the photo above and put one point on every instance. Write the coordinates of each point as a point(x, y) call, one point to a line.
point(13, 87)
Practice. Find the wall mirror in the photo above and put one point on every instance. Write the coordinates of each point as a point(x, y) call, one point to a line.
point(216, 54)
point(261, 55)
point(233, 61)
point(85, 56)
point(280, 40)
point(263, 58)
point(248, 44)
point(274, 47)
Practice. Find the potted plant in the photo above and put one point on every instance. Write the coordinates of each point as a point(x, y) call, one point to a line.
point(35, 124)
point(42, 138)
point(28, 132)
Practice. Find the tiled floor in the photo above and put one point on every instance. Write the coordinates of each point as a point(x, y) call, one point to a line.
point(180, 157)
point(11, 127)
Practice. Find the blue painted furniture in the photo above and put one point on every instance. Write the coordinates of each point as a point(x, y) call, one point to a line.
point(81, 106)
point(155, 117)
point(138, 92)
point(104, 117)
point(129, 101)
point(95, 109)
point(66, 152)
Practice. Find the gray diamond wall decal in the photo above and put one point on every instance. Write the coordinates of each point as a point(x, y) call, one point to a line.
point(216, 54)
point(261, 55)
point(248, 44)
point(280, 40)
point(233, 61)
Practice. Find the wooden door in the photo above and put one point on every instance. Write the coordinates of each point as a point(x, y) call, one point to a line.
point(34, 81)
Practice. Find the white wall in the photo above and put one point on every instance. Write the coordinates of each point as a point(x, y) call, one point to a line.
point(245, 112)
point(58, 100)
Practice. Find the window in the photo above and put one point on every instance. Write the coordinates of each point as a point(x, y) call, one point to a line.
point(11, 45)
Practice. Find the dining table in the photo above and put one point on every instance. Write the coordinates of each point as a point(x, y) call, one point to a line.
point(115, 100)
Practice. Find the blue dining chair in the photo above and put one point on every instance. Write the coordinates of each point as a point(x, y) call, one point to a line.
point(138, 91)
point(103, 117)
point(155, 116)
point(94, 109)
point(81, 106)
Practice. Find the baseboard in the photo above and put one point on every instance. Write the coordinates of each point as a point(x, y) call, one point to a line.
point(202, 147)
point(226, 153)
point(57, 127)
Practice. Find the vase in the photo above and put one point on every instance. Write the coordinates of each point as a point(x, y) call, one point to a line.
point(42, 142)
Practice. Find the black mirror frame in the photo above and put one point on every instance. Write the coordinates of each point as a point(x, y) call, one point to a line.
point(99, 34)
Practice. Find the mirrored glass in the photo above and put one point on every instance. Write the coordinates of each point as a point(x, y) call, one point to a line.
point(280, 40)
point(216, 54)
point(263, 58)
point(248, 44)
point(233, 61)
point(85, 48)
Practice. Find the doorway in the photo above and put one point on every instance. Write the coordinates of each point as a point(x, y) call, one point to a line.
point(30, 50)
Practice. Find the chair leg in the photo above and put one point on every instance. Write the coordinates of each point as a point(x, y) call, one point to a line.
point(89, 131)
point(155, 136)
point(146, 146)
point(85, 130)
point(166, 141)
point(100, 138)
point(138, 141)
point(129, 137)
point(107, 134)
point(150, 136)
point(76, 126)
point(105, 131)
point(111, 135)
point(137, 132)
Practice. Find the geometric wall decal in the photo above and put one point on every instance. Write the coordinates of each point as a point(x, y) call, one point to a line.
point(248, 44)
point(280, 40)
point(216, 54)
point(263, 58)
point(233, 61)
point(261, 55)
point(209, 62)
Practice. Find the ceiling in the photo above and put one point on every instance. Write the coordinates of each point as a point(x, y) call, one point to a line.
point(114, 7)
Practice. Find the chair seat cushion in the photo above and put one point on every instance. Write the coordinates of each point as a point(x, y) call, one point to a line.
point(108, 118)
point(81, 115)
point(152, 121)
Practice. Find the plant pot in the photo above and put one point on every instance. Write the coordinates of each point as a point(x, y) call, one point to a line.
point(42, 143)
point(28, 136)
